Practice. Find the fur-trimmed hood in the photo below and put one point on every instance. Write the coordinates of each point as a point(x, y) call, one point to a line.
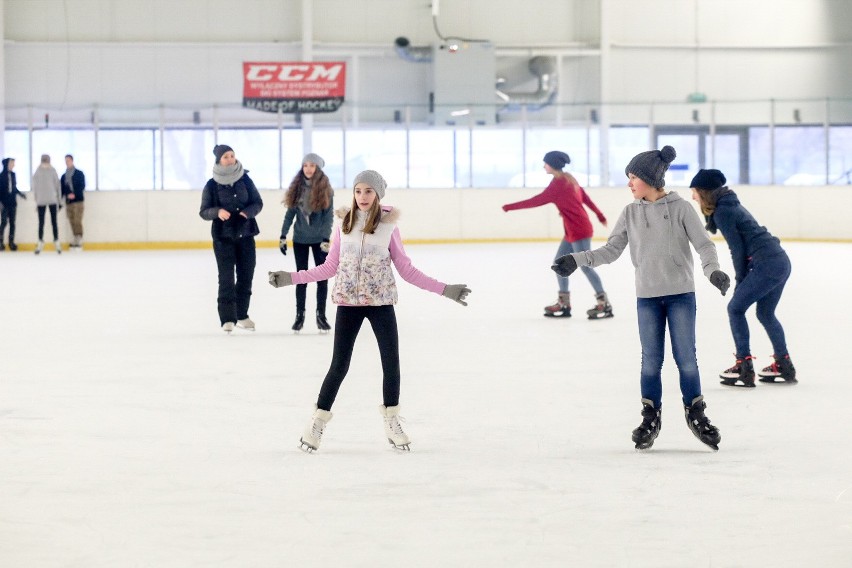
point(389, 213)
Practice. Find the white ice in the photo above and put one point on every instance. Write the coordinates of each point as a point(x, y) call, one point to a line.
point(134, 432)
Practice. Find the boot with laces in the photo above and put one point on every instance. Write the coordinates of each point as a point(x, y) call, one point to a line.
point(602, 309)
point(781, 371)
point(312, 436)
point(741, 374)
point(561, 308)
point(393, 428)
point(246, 324)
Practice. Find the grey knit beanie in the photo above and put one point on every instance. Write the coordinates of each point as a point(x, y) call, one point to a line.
point(373, 179)
point(314, 159)
point(556, 159)
point(651, 166)
point(219, 151)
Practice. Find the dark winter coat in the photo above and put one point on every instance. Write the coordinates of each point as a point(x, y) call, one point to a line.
point(78, 181)
point(311, 228)
point(241, 197)
point(9, 198)
point(745, 237)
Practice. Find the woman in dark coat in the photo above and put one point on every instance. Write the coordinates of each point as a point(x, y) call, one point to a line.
point(231, 200)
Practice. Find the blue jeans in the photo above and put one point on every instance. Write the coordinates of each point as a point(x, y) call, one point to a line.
point(679, 311)
point(763, 285)
point(578, 246)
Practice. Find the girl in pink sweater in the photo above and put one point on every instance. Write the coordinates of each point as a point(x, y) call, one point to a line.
point(565, 192)
point(362, 250)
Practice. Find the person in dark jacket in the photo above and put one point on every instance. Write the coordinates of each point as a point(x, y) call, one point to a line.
point(761, 267)
point(231, 200)
point(8, 202)
point(73, 184)
point(310, 202)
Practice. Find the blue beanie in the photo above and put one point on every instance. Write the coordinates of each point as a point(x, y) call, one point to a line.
point(556, 159)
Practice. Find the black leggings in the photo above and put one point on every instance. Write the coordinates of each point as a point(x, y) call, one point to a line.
point(347, 324)
point(41, 209)
point(300, 251)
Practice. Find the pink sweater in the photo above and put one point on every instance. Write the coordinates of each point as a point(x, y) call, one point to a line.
point(400, 260)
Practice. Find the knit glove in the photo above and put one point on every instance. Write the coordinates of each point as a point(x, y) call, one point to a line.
point(280, 278)
point(456, 293)
point(325, 246)
point(720, 280)
point(282, 245)
point(564, 265)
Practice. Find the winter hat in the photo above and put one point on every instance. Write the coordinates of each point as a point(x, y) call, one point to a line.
point(6, 162)
point(708, 179)
point(651, 166)
point(314, 159)
point(374, 179)
point(219, 151)
point(556, 159)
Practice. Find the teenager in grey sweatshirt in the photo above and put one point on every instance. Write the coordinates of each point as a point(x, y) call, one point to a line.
point(659, 228)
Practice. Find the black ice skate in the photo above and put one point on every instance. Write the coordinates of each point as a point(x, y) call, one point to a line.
point(560, 309)
point(780, 372)
point(322, 323)
point(700, 424)
point(741, 374)
point(602, 310)
point(300, 321)
point(647, 432)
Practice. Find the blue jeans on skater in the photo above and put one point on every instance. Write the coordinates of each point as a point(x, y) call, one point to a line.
point(566, 247)
point(679, 311)
point(763, 284)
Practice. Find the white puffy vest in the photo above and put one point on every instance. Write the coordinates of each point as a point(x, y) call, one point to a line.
point(364, 274)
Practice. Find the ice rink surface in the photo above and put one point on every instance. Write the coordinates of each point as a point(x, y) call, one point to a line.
point(134, 432)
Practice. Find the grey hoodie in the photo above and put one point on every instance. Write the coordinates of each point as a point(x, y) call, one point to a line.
point(46, 186)
point(659, 234)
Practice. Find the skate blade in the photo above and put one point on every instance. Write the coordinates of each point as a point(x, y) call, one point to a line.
point(781, 381)
point(730, 383)
point(400, 447)
point(306, 447)
point(601, 316)
point(323, 332)
point(557, 315)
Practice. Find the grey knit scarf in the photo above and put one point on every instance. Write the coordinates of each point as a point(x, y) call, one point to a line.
point(227, 175)
point(69, 173)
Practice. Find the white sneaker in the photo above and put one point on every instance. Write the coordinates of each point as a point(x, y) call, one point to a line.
point(311, 438)
point(58, 246)
point(246, 324)
point(228, 326)
point(393, 427)
point(39, 247)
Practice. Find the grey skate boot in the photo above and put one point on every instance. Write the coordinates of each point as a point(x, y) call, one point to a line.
point(560, 309)
point(603, 309)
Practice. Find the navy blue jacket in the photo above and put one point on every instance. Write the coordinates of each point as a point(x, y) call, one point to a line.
point(78, 180)
point(9, 199)
point(241, 197)
point(746, 239)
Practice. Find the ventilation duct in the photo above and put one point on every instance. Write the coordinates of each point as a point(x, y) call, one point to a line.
point(544, 68)
point(408, 52)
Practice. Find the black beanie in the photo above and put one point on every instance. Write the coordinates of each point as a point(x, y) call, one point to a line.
point(708, 179)
point(651, 166)
point(220, 149)
point(556, 159)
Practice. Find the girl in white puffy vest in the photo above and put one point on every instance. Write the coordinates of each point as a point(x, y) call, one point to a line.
point(362, 250)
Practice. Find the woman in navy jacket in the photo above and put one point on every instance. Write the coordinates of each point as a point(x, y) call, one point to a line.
point(762, 269)
point(231, 200)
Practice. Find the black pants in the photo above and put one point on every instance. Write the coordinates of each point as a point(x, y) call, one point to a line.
point(234, 256)
point(300, 251)
point(347, 324)
point(7, 215)
point(41, 209)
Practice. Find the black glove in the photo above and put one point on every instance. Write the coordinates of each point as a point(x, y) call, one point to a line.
point(564, 265)
point(720, 280)
point(282, 245)
point(325, 246)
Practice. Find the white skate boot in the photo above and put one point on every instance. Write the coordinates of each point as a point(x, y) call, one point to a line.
point(58, 246)
point(39, 246)
point(393, 428)
point(311, 438)
point(246, 324)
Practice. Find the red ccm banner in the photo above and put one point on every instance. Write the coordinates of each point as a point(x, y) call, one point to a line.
point(294, 86)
